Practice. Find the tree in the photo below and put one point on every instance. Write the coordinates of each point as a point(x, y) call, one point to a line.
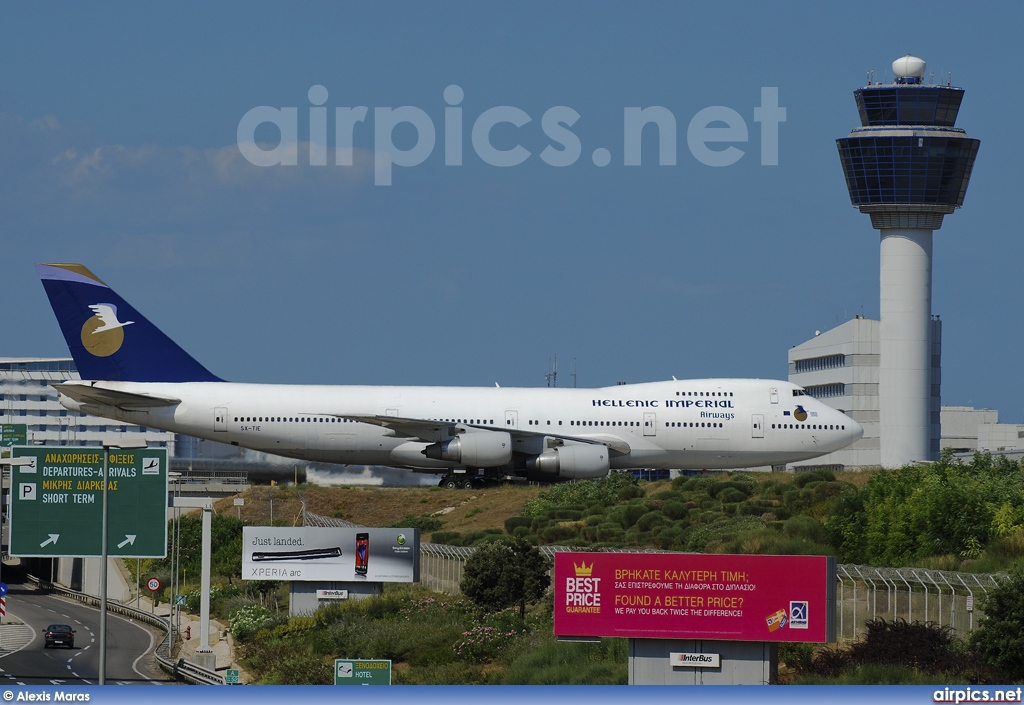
point(505, 573)
point(1000, 637)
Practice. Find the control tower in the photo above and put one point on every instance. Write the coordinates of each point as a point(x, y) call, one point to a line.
point(907, 166)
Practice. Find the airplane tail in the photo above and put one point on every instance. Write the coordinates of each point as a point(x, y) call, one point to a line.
point(108, 338)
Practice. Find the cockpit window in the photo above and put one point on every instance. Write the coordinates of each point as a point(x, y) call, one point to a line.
point(799, 392)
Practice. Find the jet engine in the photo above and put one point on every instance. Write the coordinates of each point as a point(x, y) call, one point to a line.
point(583, 461)
point(478, 449)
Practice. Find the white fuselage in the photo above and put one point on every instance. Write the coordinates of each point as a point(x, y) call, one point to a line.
point(679, 424)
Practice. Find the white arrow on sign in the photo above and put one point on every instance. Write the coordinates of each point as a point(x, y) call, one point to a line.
point(128, 539)
point(53, 539)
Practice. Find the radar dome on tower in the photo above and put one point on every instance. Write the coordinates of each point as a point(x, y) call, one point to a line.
point(909, 67)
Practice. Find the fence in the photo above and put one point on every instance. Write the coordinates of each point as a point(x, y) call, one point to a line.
point(946, 598)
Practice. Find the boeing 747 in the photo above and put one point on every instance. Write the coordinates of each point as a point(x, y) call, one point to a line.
point(130, 371)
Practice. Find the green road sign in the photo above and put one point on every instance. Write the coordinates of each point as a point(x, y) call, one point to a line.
point(57, 503)
point(13, 434)
point(350, 671)
point(231, 677)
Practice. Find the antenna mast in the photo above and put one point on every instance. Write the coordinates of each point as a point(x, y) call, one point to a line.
point(552, 376)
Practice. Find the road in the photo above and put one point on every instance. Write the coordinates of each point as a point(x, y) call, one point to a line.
point(25, 661)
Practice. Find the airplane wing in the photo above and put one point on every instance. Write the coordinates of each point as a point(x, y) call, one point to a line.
point(437, 431)
point(91, 393)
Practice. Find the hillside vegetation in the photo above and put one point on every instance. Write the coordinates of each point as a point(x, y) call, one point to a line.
point(945, 515)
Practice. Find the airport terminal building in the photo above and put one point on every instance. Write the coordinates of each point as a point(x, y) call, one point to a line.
point(26, 398)
point(841, 368)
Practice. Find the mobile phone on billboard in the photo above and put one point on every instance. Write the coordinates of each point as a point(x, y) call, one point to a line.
point(362, 553)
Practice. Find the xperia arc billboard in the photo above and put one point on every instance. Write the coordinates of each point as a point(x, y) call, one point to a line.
point(313, 553)
point(695, 596)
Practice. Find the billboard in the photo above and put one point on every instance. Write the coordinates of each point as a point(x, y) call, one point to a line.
point(695, 596)
point(314, 553)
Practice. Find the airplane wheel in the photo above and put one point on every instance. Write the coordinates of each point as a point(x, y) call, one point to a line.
point(450, 482)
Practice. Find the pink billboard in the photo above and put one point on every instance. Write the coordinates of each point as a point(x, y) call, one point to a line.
point(695, 596)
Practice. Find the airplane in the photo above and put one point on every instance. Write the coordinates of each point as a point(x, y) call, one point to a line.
point(132, 372)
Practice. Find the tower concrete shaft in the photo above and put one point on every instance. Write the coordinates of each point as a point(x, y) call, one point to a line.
point(907, 167)
point(904, 371)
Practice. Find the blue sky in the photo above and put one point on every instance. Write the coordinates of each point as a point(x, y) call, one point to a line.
point(118, 149)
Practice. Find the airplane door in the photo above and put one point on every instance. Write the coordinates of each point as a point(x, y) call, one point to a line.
point(774, 392)
point(757, 426)
point(511, 419)
point(220, 418)
point(650, 423)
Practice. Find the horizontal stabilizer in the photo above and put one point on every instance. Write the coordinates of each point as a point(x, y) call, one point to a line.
point(91, 393)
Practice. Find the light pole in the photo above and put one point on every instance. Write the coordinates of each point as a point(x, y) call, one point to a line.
point(108, 445)
point(4, 462)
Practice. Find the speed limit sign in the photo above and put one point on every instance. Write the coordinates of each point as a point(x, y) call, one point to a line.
point(153, 584)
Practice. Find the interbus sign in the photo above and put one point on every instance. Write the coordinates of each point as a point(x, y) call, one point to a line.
point(695, 596)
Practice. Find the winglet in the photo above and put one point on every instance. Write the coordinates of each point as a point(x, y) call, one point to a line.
point(107, 337)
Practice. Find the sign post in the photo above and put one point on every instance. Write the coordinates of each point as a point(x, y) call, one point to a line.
point(349, 671)
point(59, 495)
point(13, 434)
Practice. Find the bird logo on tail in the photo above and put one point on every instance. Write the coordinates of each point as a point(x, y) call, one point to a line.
point(103, 334)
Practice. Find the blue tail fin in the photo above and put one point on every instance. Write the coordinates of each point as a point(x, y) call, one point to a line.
point(108, 338)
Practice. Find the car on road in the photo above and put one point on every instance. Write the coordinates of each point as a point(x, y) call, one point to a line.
point(59, 635)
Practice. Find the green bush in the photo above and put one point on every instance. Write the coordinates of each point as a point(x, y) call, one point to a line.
point(803, 526)
point(924, 646)
point(650, 520)
point(424, 524)
point(505, 573)
point(448, 537)
point(731, 495)
point(564, 514)
point(610, 531)
point(513, 523)
point(247, 620)
point(627, 515)
point(1000, 636)
point(558, 533)
point(675, 510)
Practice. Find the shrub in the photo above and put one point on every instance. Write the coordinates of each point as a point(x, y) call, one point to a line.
point(505, 573)
point(449, 537)
point(675, 510)
point(921, 645)
point(557, 533)
point(1000, 638)
point(609, 532)
point(648, 521)
point(247, 620)
point(424, 524)
point(731, 495)
point(627, 515)
point(513, 523)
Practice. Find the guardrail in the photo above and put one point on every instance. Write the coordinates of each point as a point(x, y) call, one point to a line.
point(180, 668)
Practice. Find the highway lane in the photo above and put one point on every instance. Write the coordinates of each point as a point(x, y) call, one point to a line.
point(128, 644)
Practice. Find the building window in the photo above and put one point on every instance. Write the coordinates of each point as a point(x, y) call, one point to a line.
point(828, 362)
point(824, 391)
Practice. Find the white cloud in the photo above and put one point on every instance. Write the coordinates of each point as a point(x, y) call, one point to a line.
point(51, 168)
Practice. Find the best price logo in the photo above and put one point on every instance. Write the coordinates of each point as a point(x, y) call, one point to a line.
point(582, 593)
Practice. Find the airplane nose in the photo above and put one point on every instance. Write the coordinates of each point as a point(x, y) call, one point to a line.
point(855, 430)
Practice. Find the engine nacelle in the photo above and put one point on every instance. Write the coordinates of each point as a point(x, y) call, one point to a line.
point(588, 461)
point(478, 449)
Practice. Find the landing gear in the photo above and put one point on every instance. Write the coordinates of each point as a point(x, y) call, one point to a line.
point(490, 478)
